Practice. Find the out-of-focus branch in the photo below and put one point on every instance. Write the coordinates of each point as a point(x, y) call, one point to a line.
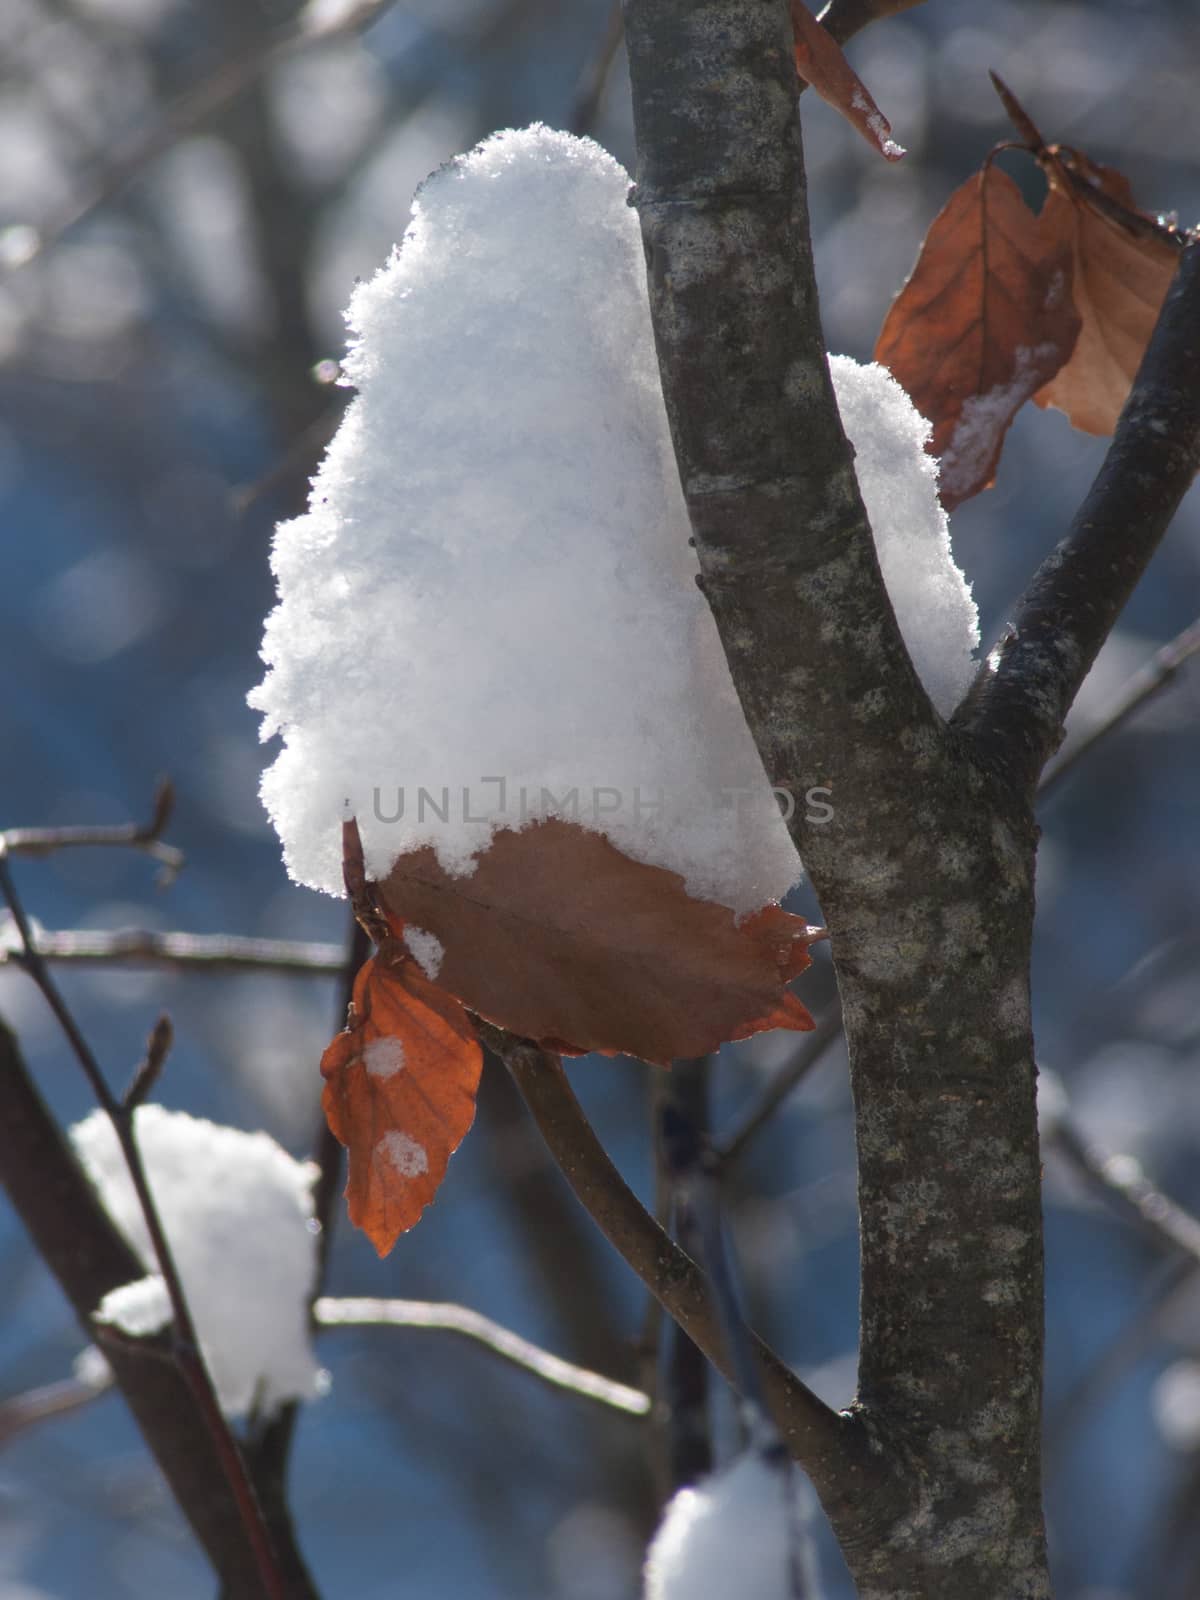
point(1120, 1181)
point(193, 108)
point(682, 1420)
point(593, 81)
point(448, 1318)
point(216, 953)
point(43, 1404)
point(1142, 687)
point(844, 18)
point(780, 1086)
point(145, 836)
point(1019, 702)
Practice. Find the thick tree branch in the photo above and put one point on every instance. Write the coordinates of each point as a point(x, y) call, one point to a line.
point(831, 1447)
point(786, 553)
point(924, 873)
point(1017, 707)
point(80, 1244)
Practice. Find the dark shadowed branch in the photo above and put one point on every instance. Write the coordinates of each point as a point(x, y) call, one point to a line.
point(1020, 701)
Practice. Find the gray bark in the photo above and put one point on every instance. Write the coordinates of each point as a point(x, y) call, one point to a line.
point(926, 872)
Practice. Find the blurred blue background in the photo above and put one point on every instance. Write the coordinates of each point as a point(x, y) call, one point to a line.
point(164, 392)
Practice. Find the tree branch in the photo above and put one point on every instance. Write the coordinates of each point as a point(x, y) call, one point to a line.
point(785, 550)
point(80, 1244)
point(501, 1341)
point(145, 836)
point(1145, 683)
point(215, 953)
point(830, 1446)
point(184, 1344)
point(780, 1086)
point(1018, 704)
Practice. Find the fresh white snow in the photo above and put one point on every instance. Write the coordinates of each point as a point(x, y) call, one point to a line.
point(237, 1211)
point(736, 1534)
point(489, 612)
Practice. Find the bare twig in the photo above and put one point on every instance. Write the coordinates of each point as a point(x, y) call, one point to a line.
point(215, 953)
point(1120, 1180)
point(447, 1318)
point(22, 1411)
point(145, 836)
point(186, 1344)
point(780, 1086)
point(146, 1074)
point(1142, 687)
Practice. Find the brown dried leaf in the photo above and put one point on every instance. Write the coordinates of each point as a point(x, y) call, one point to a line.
point(983, 322)
point(559, 937)
point(1123, 266)
point(819, 60)
point(400, 1086)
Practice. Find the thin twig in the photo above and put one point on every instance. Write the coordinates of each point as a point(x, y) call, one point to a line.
point(780, 1086)
point(298, 459)
point(593, 80)
point(186, 1344)
point(145, 836)
point(1142, 687)
point(448, 1318)
point(50, 1400)
point(682, 1376)
point(215, 953)
point(1120, 1180)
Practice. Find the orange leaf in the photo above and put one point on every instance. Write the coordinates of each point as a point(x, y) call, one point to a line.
point(819, 60)
point(1124, 263)
point(982, 323)
point(400, 1085)
point(558, 936)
